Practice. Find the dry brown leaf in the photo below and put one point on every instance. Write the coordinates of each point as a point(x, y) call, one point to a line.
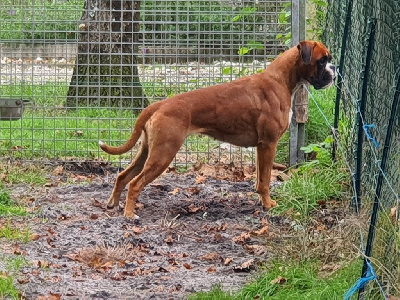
point(34, 236)
point(139, 205)
point(187, 266)
point(193, 190)
point(169, 239)
point(94, 216)
point(261, 231)
point(278, 280)
point(279, 167)
point(50, 296)
point(200, 179)
point(96, 203)
point(58, 171)
point(192, 208)
point(254, 249)
point(137, 230)
point(211, 270)
point(241, 239)
point(23, 280)
point(175, 191)
point(227, 261)
point(210, 256)
point(244, 267)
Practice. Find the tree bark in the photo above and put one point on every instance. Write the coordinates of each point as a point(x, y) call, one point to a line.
point(106, 72)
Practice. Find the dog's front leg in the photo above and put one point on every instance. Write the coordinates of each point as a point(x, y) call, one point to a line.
point(265, 159)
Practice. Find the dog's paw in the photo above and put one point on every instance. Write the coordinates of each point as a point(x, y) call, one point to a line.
point(131, 216)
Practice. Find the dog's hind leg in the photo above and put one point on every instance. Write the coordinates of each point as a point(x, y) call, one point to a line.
point(128, 174)
point(161, 152)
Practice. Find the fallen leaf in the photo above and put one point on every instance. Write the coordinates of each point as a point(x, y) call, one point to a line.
point(241, 239)
point(137, 229)
point(211, 270)
point(278, 280)
point(50, 296)
point(192, 208)
point(34, 236)
point(23, 280)
point(169, 239)
point(227, 261)
point(175, 191)
point(200, 179)
point(96, 203)
point(94, 216)
point(279, 167)
point(210, 256)
point(244, 267)
point(187, 266)
point(160, 288)
point(58, 171)
point(193, 190)
point(261, 231)
point(254, 249)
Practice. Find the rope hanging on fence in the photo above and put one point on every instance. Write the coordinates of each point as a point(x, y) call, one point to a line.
point(366, 128)
point(370, 274)
point(361, 282)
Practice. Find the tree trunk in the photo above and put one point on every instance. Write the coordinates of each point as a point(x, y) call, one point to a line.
point(106, 73)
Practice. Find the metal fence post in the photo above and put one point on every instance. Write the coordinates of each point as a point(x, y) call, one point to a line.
point(340, 80)
point(361, 110)
point(300, 99)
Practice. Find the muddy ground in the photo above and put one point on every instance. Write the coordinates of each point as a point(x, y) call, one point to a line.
point(194, 232)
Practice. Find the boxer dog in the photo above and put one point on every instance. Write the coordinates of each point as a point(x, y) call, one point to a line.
point(253, 111)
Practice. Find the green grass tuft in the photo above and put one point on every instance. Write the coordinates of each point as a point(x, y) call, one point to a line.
point(14, 233)
point(292, 280)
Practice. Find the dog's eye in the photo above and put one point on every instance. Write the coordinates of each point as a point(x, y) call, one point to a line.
point(323, 60)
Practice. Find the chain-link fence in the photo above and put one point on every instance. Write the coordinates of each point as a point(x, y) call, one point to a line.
point(88, 68)
point(367, 34)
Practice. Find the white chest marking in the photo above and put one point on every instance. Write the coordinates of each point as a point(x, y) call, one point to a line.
point(290, 116)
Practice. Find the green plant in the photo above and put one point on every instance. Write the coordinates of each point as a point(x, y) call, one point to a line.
point(291, 280)
point(14, 233)
point(283, 19)
point(7, 288)
point(314, 182)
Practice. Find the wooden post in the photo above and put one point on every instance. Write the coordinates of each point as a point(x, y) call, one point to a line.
point(300, 98)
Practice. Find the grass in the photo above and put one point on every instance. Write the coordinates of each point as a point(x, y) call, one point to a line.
point(14, 233)
point(311, 185)
point(7, 206)
point(7, 288)
point(291, 280)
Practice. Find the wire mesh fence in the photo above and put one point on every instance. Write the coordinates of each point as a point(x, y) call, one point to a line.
point(369, 34)
point(89, 67)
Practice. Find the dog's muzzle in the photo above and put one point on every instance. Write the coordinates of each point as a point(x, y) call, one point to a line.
point(325, 78)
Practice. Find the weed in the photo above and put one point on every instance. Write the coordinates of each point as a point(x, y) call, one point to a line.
point(7, 289)
point(291, 280)
point(310, 185)
point(14, 233)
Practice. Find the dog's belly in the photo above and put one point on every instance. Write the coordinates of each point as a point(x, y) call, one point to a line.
point(248, 139)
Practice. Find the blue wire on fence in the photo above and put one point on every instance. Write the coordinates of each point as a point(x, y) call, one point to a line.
point(370, 275)
point(361, 282)
point(366, 128)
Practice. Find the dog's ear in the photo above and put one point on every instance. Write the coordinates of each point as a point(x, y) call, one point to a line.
point(306, 49)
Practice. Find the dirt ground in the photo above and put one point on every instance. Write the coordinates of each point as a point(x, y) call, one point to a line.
point(194, 232)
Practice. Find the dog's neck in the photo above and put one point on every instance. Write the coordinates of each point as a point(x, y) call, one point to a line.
point(288, 59)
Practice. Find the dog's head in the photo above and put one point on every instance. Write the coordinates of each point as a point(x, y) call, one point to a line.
point(316, 64)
